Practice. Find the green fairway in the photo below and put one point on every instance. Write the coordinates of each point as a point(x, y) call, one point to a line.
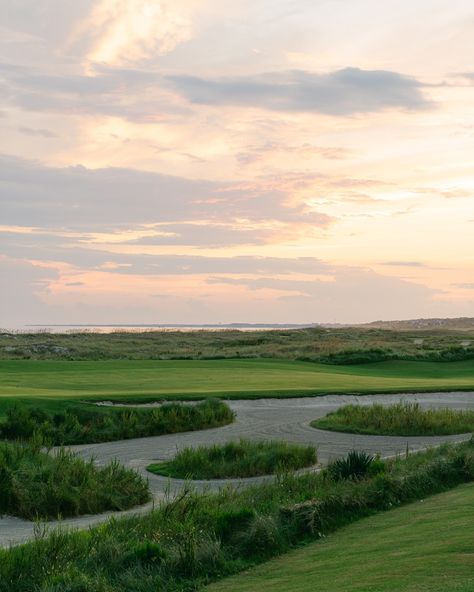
point(238, 378)
point(424, 547)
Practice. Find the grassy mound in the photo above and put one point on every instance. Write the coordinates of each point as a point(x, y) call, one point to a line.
point(236, 459)
point(404, 549)
point(35, 484)
point(200, 537)
point(402, 419)
point(81, 424)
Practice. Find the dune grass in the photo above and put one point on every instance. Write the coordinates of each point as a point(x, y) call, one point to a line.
point(34, 484)
point(425, 546)
point(236, 459)
point(401, 419)
point(433, 342)
point(196, 538)
point(83, 424)
point(55, 382)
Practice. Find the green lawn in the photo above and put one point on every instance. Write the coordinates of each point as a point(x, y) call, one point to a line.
point(424, 547)
point(238, 378)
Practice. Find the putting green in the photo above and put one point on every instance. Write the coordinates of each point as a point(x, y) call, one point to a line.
point(238, 378)
point(424, 547)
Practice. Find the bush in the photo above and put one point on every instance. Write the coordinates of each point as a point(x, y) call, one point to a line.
point(356, 465)
point(198, 537)
point(236, 459)
point(36, 484)
point(401, 419)
point(81, 424)
point(358, 356)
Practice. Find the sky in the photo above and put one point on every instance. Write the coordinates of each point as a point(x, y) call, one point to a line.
point(208, 161)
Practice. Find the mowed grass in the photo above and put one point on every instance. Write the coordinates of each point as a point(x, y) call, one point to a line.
point(132, 379)
point(424, 547)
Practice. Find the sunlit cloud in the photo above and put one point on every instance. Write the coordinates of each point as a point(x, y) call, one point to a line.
point(127, 31)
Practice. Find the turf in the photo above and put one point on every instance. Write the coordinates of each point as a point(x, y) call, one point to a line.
point(424, 547)
point(150, 379)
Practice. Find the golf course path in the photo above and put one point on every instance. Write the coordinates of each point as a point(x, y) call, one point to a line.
point(261, 419)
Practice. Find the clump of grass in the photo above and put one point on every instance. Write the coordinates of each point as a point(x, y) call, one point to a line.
point(236, 459)
point(35, 484)
point(197, 538)
point(401, 419)
point(82, 424)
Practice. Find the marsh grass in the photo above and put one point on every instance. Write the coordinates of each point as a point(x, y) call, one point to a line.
point(35, 484)
point(236, 459)
point(83, 424)
point(401, 419)
point(197, 538)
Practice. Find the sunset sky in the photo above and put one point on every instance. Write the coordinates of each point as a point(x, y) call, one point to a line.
point(196, 161)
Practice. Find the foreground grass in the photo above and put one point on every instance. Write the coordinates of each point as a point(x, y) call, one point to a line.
point(401, 419)
point(426, 546)
point(141, 380)
point(81, 424)
point(198, 538)
point(34, 484)
point(236, 459)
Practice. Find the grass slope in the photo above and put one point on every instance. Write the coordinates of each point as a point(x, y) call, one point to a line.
point(145, 379)
point(401, 419)
point(424, 547)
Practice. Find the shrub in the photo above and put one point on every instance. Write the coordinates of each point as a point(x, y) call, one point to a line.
point(236, 459)
point(401, 419)
point(81, 424)
point(356, 465)
point(36, 484)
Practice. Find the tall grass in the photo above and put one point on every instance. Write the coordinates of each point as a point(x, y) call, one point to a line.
point(35, 484)
point(197, 538)
point(86, 424)
point(401, 419)
point(236, 459)
point(334, 345)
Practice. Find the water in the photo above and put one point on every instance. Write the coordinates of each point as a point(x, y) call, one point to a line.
point(84, 328)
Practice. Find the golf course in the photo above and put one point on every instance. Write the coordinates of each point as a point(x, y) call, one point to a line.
point(141, 380)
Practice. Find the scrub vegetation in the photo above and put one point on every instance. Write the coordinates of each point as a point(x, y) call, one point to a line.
point(401, 419)
point(82, 424)
point(347, 345)
point(197, 538)
point(236, 459)
point(35, 484)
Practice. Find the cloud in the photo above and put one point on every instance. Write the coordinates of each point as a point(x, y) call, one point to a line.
point(100, 200)
point(123, 31)
point(403, 263)
point(21, 288)
point(372, 295)
point(343, 92)
point(465, 286)
point(29, 131)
